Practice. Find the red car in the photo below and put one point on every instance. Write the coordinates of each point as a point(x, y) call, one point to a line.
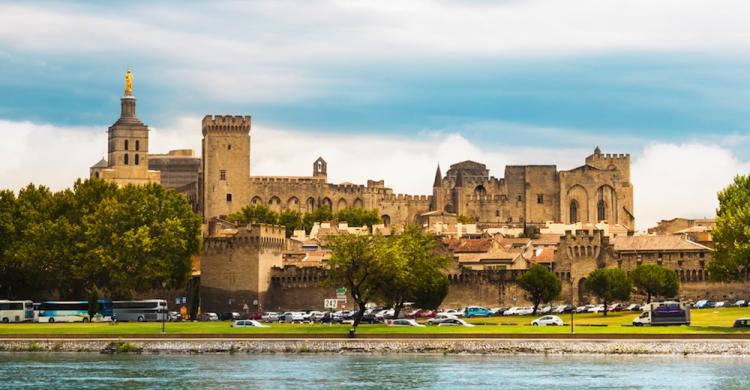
point(616, 307)
point(426, 314)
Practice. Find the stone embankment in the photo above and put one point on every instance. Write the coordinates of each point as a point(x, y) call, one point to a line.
point(410, 346)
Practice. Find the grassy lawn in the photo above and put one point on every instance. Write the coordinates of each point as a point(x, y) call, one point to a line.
point(703, 321)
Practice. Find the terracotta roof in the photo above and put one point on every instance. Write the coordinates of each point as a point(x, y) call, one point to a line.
point(546, 239)
point(695, 229)
point(468, 245)
point(543, 255)
point(496, 255)
point(655, 243)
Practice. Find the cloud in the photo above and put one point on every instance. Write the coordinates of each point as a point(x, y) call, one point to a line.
point(681, 180)
point(670, 180)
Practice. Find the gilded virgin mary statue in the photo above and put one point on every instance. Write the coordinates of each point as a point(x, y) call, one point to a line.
point(128, 83)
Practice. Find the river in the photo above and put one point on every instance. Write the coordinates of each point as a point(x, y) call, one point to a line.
point(287, 371)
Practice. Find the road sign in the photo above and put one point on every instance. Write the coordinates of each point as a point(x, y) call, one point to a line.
point(341, 293)
point(330, 303)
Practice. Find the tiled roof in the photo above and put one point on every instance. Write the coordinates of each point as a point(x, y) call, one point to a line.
point(655, 243)
point(543, 255)
point(101, 164)
point(468, 245)
point(546, 239)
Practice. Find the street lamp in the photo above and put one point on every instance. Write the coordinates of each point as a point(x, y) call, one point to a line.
point(163, 311)
point(573, 307)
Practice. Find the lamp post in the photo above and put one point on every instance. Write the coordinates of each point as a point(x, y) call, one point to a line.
point(573, 307)
point(163, 311)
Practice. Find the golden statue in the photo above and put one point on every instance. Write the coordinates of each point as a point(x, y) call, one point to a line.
point(128, 83)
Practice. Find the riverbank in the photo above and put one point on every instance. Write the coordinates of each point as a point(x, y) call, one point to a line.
point(739, 348)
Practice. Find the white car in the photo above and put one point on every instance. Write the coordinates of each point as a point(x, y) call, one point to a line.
point(596, 309)
point(720, 304)
point(511, 311)
point(525, 311)
point(293, 316)
point(455, 312)
point(454, 322)
point(545, 310)
point(547, 320)
point(248, 324)
point(405, 322)
point(316, 316)
point(440, 317)
point(270, 316)
point(385, 314)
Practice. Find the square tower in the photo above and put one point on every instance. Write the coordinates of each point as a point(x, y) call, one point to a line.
point(226, 164)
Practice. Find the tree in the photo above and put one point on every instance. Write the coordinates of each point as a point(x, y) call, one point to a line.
point(292, 220)
point(655, 280)
point(541, 284)
point(415, 265)
point(465, 219)
point(429, 296)
point(359, 217)
point(731, 235)
point(357, 263)
point(609, 284)
point(255, 214)
point(93, 303)
point(321, 214)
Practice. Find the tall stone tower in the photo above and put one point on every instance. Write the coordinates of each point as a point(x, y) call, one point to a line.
point(458, 195)
point(127, 150)
point(437, 191)
point(226, 164)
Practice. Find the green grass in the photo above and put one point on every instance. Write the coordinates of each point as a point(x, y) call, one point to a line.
point(703, 321)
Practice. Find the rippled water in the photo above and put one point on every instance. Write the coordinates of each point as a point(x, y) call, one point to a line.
point(94, 371)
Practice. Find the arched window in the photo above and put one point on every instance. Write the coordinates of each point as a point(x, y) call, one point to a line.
point(137, 159)
point(601, 211)
point(573, 212)
point(96, 175)
point(126, 144)
point(229, 197)
point(137, 145)
point(126, 158)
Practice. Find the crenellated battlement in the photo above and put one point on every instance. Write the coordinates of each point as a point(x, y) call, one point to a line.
point(404, 198)
point(226, 236)
point(226, 124)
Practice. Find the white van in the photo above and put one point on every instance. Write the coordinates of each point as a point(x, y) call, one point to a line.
point(664, 313)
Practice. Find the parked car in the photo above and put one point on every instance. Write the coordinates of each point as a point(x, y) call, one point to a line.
point(455, 312)
point(229, 316)
point(426, 314)
point(704, 304)
point(405, 322)
point(563, 309)
point(525, 311)
point(583, 309)
point(316, 316)
point(476, 311)
point(454, 322)
point(292, 316)
point(742, 323)
point(595, 309)
point(544, 310)
point(271, 316)
point(616, 307)
point(498, 311)
point(385, 314)
point(208, 317)
point(720, 304)
point(740, 303)
point(440, 317)
point(174, 316)
point(633, 307)
point(547, 320)
point(248, 324)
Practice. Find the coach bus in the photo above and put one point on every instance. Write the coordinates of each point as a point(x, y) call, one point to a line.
point(16, 311)
point(141, 311)
point(74, 311)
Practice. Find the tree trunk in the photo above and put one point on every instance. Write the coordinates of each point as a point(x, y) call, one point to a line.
point(397, 309)
point(648, 297)
point(606, 304)
point(536, 306)
point(358, 316)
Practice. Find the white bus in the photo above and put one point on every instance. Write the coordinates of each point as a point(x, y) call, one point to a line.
point(141, 311)
point(16, 311)
point(74, 311)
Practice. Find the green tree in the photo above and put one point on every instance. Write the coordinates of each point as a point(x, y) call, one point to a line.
point(357, 263)
point(320, 214)
point(541, 284)
point(466, 219)
point(359, 217)
point(292, 220)
point(93, 303)
point(609, 284)
point(655, 280)
point(255, 214)
point(415, 267)
point(8, 268)
point(430, 296)
point(731, 235)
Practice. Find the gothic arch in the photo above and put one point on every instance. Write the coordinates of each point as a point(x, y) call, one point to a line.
point(256, 200)
point(480, 190)
point(310, 204)
point(341, 204)
point(292, 204)
point(579, 195)
point(606, 204)
point(358, 204)
point(582, 293)
point(386, 220)
point(274, 204)
point(326, 202)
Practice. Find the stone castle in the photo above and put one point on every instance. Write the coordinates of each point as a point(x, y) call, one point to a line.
point(600, 190)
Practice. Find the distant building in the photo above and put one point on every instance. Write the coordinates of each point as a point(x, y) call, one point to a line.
point(181, 171)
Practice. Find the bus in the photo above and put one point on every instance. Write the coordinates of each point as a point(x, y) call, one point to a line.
point(16, 311)
point(141, 311)
point(74, 311)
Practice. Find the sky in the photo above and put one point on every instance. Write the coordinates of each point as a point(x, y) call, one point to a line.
point(389, 89)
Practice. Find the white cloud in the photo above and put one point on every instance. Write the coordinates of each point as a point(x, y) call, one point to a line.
point(669, 180)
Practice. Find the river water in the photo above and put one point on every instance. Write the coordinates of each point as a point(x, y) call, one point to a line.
point(281, 371)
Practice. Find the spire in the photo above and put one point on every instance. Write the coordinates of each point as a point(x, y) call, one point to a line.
point(459, 180)
point(597, 151)
point(438, 177)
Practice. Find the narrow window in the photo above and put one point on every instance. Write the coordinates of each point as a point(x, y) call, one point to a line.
point(223, 174)
point(540, 198)
point(520, 198)
point(137, 159)
point(601, 211)
point(126, 144)
point(573, 212)
point(137, 145)
point(497, 213)
point(126, 158)
point(229, 147)
point(229, 197)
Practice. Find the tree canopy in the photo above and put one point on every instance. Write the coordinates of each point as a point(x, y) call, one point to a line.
point(541, 284)
point(731, 235)
point(655, 280)
point(127, 239)
point(609, 284)
point(294, 220)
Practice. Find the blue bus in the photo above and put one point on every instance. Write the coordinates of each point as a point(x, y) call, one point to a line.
point(74, 311)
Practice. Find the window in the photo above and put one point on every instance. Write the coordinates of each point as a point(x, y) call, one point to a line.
point(223, 174)
point(126, 159)
point(96, 175)
point(229, 147)
point(497, 213)
point(573, 212)
point(126, 144)
point(520, 198)
point(137, 159)
point(540, 198)
point(229, 197)
point(601, 211)
point(137, 145)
